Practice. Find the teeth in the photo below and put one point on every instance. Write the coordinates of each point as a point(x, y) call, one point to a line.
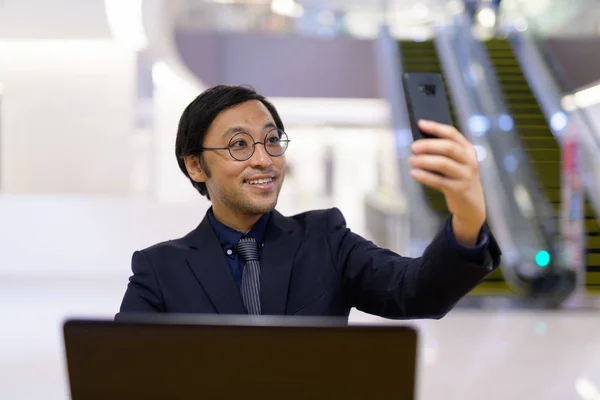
point(260, 181)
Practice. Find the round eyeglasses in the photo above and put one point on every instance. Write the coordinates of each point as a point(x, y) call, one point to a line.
point(242, 145)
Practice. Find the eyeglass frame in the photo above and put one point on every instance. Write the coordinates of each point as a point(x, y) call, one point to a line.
point(228, 148)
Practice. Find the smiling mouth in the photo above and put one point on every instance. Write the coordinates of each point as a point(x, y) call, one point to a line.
point(262, 181)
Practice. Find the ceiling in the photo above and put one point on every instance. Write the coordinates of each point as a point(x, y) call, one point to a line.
point(557, 17)
point(362, 18)
point(57, 19)
point(373, 5)
point(356, 18)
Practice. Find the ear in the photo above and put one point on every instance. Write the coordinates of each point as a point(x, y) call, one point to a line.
point(194, 169)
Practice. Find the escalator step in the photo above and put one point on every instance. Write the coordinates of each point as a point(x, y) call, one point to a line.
point(536, 142)
point(545, 154)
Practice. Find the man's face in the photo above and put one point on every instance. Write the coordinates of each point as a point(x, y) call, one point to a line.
point(232, 184)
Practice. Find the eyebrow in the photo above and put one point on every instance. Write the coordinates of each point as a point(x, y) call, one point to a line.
point(238, 129)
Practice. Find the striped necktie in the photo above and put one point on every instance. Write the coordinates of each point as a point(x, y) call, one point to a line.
point(247, 248)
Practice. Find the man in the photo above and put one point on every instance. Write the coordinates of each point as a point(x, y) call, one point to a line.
point(246, 258)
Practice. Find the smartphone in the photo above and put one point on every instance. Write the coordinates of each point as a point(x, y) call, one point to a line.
point(425, 99)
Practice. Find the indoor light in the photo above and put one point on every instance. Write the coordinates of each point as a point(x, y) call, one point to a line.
point(588, 97)
point(478, 124)
point(420, 11)
point(586, 389)
point(486, 17)
point(288, 8)
point(542, 258)
point(582, 99)
point(505, 122)
point(558, 121)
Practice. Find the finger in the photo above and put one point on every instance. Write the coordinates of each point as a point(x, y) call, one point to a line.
point(440, 164)
point(435, 181)
point(442, 131)
point(443, 147)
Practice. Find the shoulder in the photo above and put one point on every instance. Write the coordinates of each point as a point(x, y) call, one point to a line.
point(324, 218)
point(167, 249)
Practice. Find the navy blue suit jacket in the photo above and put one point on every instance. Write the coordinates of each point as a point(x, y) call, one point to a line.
point(312, 265)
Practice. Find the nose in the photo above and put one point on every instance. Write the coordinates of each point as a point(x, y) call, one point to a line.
point(260, 158)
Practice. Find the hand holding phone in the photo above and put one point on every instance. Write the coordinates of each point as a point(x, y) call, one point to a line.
point(443, 158)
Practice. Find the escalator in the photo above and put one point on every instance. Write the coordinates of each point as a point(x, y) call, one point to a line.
point(540, 145)
point(422, 57)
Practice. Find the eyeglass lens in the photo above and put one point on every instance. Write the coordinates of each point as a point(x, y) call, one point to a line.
point(241, 146)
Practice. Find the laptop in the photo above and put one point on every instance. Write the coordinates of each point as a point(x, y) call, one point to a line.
point(183, 357)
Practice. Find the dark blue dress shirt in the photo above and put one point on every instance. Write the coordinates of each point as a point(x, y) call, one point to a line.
point(229, 237)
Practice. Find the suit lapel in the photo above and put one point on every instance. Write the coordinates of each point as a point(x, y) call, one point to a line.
point(281, 244)
point(209, 265)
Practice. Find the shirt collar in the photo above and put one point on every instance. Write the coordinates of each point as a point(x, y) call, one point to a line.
point(229, 237)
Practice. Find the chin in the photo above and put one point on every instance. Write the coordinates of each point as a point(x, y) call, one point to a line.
point(265, 208)
point(262, 207)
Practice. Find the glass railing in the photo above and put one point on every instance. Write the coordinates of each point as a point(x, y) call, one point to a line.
point(528, 30)
point(521, 216)
point(563, 115)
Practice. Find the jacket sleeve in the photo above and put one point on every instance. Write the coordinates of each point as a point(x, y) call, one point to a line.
point(143, 292)
point(381, 282)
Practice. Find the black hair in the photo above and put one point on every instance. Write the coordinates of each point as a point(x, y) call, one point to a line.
point(199, 115)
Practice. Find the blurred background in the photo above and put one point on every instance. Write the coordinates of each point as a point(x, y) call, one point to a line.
point(90, 96)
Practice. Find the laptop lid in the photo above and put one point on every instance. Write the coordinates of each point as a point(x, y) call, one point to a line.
point(181, 357)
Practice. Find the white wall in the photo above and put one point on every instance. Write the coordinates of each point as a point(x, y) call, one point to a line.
point(84, 237)
point(357, 152)
point(170, 100)
point(43, 19)
point(66, 116)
